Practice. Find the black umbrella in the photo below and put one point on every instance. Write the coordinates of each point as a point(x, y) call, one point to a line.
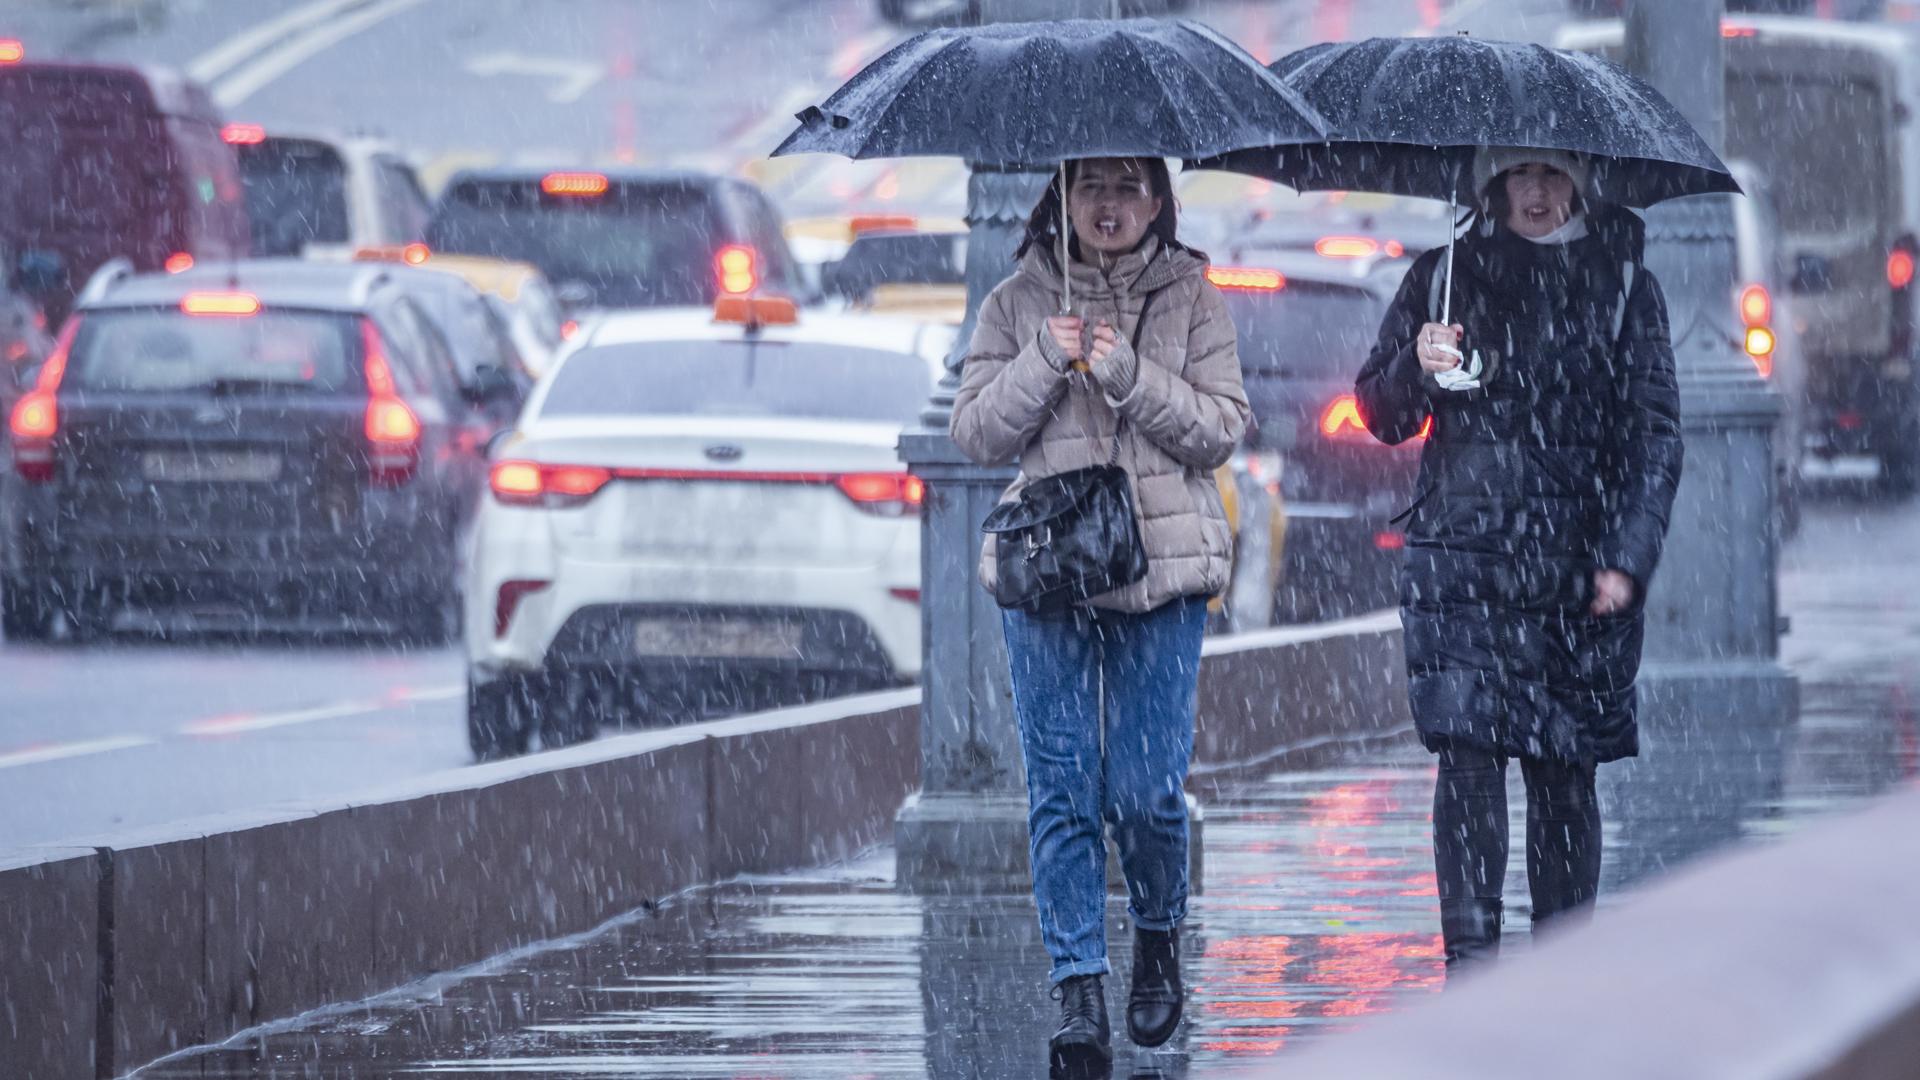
point(1408, 115)
point(1033, 93)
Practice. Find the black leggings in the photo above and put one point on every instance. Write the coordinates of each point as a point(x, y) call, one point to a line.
point(1470, 830)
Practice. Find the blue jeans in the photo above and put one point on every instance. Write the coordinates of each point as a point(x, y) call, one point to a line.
point(1132, 776)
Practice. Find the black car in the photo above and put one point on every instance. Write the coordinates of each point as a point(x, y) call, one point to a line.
point(1306, 323)
point(632, 239)
point(259, 444)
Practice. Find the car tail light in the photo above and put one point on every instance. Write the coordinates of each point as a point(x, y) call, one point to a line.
point(1347, 247)
point(508, 601)
point(392, 428)
point(12, 51)
point(178, 263)
point(1389, 541)
point(1341, 421)
point(416, 254)
point(560, 487)
point(35, 420)
point(737, 269)
point(574, 184)
point(230, 304)
point(884, 494)
point(1756, 305)
point(911, 596)
point(1760, 348)
point(866, 223)
point(568, 329)
point(243, 134)
point(1246, 279)
point(1756, 311)
point(1900, 268)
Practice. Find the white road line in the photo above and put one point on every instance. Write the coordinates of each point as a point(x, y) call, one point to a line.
point(570, 77)
point(238, 723)
point(275, 62)
point(38, 754)
point(234, 51)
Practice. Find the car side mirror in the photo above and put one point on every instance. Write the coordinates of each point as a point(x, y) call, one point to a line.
point(497, 440)
point(492, 385)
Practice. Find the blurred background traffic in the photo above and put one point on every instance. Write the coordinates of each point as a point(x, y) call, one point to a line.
point(458, 379)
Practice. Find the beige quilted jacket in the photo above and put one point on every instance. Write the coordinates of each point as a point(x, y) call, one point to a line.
point(1177, 384)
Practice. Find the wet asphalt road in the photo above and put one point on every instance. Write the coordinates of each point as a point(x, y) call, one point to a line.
point(136, 732)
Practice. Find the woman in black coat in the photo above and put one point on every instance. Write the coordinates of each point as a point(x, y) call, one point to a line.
point(1541, 508)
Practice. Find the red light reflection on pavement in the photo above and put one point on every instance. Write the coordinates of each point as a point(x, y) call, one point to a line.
point(1253, 988)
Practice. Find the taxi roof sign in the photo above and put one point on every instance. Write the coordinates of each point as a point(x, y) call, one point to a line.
point(756, 311)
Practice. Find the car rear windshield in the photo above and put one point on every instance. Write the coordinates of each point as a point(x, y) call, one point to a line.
point(162, 350)
point(296, 195)
point(741, 379)
point(1308, 330)
point(635, 245)
point(1822, 140)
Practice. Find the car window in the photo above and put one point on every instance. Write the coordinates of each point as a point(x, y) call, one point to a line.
point(296, 191)
point(404, 208)
point(1819, 138)
point(501, 335)
point(740, 378)
point(405, 352)
point(636, 245)
point(541, 312)
point(1306, 329)
point(162, 350)
point(436, 359)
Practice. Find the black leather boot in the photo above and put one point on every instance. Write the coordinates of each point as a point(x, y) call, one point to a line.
point(1157, 997)
point(1470, 930)
point(1083, 1047)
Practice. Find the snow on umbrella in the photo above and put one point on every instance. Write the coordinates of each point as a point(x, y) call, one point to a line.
point(1014, 94)
point(1408, 114)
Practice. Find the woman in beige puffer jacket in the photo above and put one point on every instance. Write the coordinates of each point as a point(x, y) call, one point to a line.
point(1105, 697)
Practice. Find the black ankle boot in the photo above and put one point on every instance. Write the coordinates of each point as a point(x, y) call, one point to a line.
point(1155, 1002)
point(1082, 1049)
point(1470, 930)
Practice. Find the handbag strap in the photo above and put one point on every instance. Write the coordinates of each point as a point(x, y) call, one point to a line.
point(1139, 325)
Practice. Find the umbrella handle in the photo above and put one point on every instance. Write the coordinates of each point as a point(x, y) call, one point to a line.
point(1066, 224)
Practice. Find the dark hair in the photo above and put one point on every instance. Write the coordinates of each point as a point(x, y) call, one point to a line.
point(1043, 226)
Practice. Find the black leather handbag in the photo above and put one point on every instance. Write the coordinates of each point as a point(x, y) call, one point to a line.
point(1069, 537)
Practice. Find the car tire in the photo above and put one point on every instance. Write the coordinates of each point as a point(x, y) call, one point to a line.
point(570, 710)
point(26, 612)
point(500, 717)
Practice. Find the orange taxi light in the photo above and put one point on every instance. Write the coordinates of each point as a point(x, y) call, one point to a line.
point(756, 311)
point(415, 254)
point(737, 268)
point(235, 304)
point(1756, 305)
point(574, 183)
point(1346, 247)
point(1733, 30)
point(864, 223)
point(178, 263)
point(1246, 278)
point(243, 134)
point(12, 51)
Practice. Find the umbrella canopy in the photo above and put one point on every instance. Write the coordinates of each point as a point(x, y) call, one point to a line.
point(1408, 113)
point(1011, 94)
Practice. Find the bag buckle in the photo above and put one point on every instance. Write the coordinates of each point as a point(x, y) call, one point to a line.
point(1036, 542)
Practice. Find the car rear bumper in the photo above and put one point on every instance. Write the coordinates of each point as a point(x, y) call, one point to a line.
point(694, 615)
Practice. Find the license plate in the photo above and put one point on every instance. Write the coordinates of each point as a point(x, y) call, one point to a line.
point(740, 639)
point(163, 466)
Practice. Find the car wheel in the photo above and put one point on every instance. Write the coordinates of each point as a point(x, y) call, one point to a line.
point(570, 710)
point(499, 717)
point(26, 612)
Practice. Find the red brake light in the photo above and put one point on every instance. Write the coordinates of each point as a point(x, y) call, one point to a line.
point(508, 601)
point(574, 183)
point(886, 494)
point(1347, 247)
point(569, 328)
point(178, 262)
point(515, 482)
point(1342, 419)
point(11, 51)
point(1389, 541)
point(1900, 268)
point(1756, 306)
point(231, 304)
point(737, 268)
point(392, 429)
point(1246, 278)
point(864, 223)
point(527, 483)
point(36, 416)
point(243, 134)
point(575, 481)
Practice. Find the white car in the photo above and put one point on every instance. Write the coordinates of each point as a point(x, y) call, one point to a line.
point(699, 493)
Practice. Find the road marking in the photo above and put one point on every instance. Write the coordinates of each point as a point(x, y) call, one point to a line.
point(572, 78)
point(236, 723)
point(37, 754)
point(230, 53)
point(277, 61)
